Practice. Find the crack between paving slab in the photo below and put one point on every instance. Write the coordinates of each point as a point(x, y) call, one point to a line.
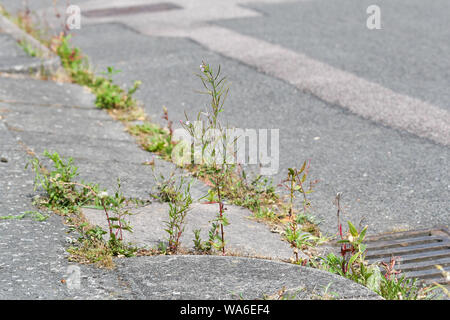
point(77, 136)
point(25, 147)
point(48, 105)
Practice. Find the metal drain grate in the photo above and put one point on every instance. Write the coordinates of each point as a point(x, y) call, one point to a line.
point(418, 252)
point(107, 12)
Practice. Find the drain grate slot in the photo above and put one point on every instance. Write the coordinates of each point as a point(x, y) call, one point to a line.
point(403, 242)
point(130, 10)
point(444, 262)
point(405, 250)
point(424, 274)
point(418, 252)
point(407, 258)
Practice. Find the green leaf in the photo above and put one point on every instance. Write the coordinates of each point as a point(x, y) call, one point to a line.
point(375, 279)
point(352, 229)
point(353, 258)
point(363, 233)
point(303, 167)
point(362, 247)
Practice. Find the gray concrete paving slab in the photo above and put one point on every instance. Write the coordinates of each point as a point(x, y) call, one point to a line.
point(80, 125)
point(217, 277)
point(13, 58)
point(17, 185)
point(36, 92)
point(34, 262)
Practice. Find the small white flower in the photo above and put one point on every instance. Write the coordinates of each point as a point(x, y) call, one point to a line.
point(103, 194)
point(350, 238)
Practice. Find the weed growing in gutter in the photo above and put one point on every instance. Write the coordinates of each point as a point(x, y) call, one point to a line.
point(65, 196)
point(217, 88)
point(352, 265)
point(28, 48)
point(178, 209)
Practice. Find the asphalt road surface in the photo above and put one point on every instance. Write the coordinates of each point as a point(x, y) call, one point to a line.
point(370, 108)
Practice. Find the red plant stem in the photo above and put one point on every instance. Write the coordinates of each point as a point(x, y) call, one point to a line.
point(343, 246)
point(120, 229)
point(221, 229)
point(292, 197)
point(107, 217)
point(221, 215)
point(294, 231)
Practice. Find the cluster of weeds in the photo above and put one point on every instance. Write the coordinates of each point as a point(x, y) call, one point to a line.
point(73, 61)
point(230, 182)
point(153, 138)
point(24, 20)
point(4, 12)
point(61, 191)
point(296, 236)
point(177, 194)
point(351, 264)
point(108, 94)
point(28, 48)
point(216, 234)
point(166, 188)
point(90, 247)
point(178, 208)
point(115, 211)
point(66, 196)
point(215, 237)
point(199, 245)
point(256, 194)
point(217, 88)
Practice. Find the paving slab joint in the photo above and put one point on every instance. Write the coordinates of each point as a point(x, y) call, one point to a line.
point(50, 62)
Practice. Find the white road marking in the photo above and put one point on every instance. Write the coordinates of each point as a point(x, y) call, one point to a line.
point(367, 99)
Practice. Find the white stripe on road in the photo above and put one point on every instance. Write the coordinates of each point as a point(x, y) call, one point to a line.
point(367, 99)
